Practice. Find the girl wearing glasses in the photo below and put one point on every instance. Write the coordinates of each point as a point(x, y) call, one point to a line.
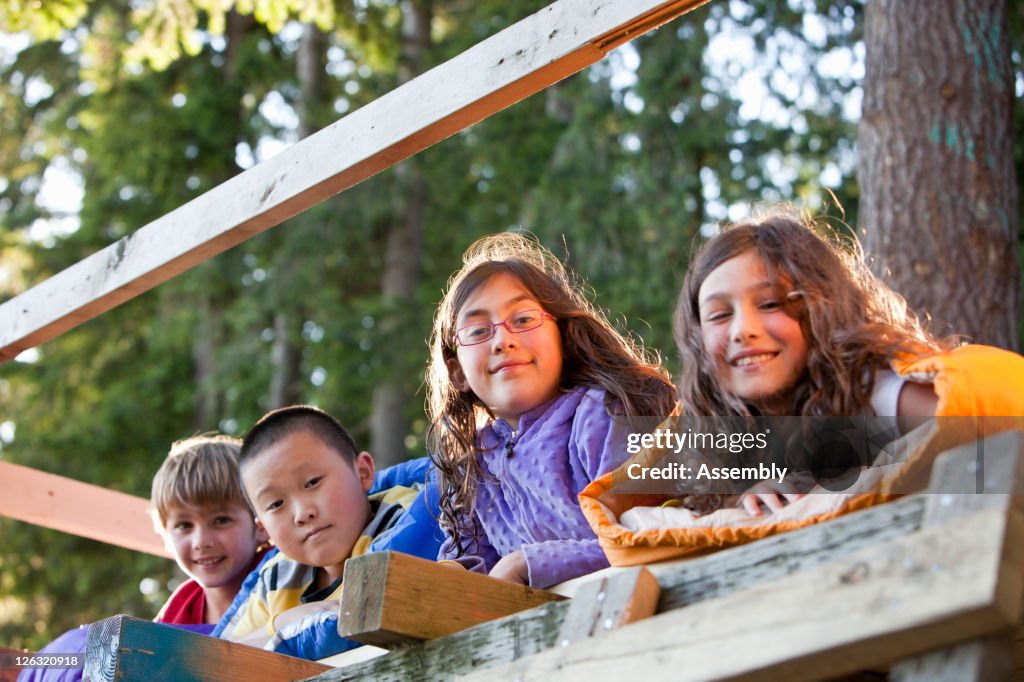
point(525, 378)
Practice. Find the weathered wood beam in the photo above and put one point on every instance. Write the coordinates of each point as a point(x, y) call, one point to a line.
point(682, 583)
point(126, 648)
point(986, 658)
point(689, 581)
point(78, 508)
point(392, 598)
point(943, 585)
point(938, 586)
point(990, 657)
point(525, 58)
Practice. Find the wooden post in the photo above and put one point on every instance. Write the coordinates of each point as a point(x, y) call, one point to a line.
point(608, 603)
point(957, 471)
point(392, 598)
point(126, 648)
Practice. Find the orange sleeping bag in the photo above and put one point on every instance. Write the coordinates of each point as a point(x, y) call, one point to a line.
point(970, 381)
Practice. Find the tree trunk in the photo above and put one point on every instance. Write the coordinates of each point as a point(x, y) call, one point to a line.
point(285, 353)
point(209, 399)
point(939, 198)
point(311, 64)
point(209, 332)
point(285, 358)
point(388, 423)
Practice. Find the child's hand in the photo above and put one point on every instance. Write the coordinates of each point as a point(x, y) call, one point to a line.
point(454, 564)
point(512, 567)
point(772, 494)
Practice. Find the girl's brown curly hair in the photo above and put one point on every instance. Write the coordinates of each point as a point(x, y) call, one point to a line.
point(593, 353)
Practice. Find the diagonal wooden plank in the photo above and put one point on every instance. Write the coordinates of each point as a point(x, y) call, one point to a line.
point(78, 508)
point(525, 58)
point(9, 668)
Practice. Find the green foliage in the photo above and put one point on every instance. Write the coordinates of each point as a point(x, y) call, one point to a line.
point(44, 20)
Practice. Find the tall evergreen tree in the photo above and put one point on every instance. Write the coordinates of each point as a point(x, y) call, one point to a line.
point(939, 196)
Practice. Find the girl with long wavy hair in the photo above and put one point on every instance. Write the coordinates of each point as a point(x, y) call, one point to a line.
point(775, 319)
point(527, 381)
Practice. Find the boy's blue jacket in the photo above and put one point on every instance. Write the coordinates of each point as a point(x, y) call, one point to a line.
point(314, 635)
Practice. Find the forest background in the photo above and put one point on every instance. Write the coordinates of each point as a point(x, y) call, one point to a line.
point(113, 113)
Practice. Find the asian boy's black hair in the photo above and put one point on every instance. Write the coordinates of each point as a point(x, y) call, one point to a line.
point(283, 422)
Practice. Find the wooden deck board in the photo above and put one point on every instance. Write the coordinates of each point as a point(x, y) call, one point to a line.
point(682, 583)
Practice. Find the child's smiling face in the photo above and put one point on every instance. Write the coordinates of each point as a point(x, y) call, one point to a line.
point(511, 373)
point(758, 350)
point(214, 545)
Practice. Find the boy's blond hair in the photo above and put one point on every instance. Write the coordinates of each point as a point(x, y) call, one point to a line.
point(201, 471)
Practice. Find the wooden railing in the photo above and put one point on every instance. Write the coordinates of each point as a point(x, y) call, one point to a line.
point(928, 588)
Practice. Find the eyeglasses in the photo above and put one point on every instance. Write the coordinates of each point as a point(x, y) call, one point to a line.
point(517, 323)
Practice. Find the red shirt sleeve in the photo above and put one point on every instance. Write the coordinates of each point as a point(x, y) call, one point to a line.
point(185, 607)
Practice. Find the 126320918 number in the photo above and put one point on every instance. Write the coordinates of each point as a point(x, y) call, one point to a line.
point(47, 660)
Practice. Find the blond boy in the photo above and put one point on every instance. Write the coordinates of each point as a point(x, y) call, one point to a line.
point(199, 509)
